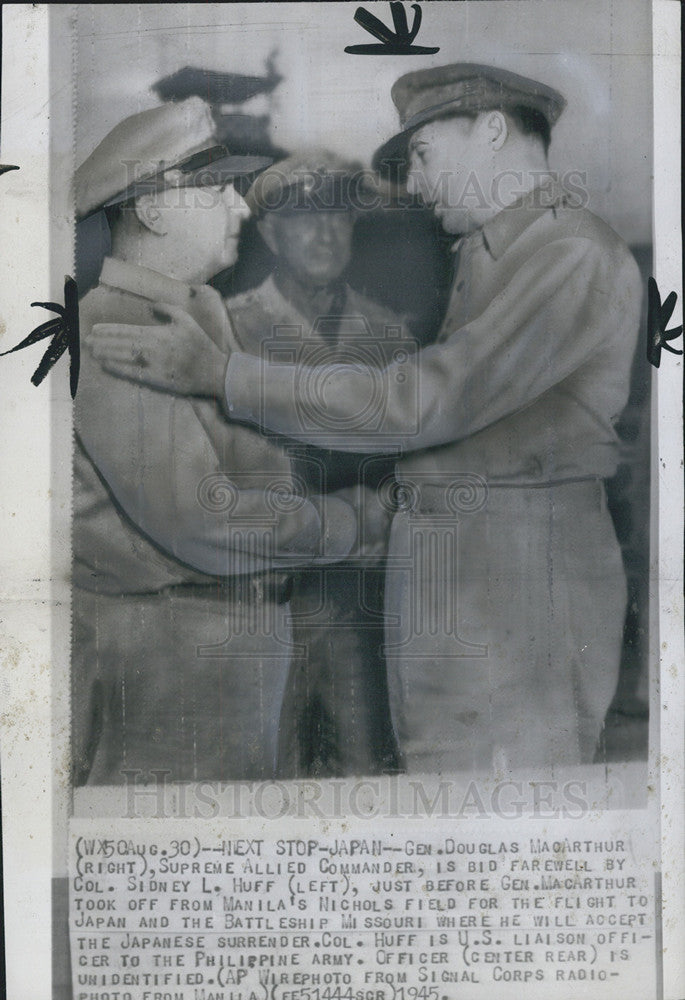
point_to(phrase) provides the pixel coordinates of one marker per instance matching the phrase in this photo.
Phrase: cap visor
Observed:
(392, 157)
(218, 171)
(213, 174)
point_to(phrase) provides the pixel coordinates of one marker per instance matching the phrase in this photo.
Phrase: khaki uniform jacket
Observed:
(530, 371)
(268, 326)
(505, 589)
(152, 501)
(174, 668)
(335, 718)
(264, 314)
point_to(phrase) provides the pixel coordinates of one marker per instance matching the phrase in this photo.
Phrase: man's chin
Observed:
(229, 260)
(321, 279)
(455, 221)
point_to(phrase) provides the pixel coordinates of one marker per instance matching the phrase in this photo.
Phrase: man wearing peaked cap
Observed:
(172, 146)
(465, 89)
(335, 718)
(312, 179)
(168, 147)
(504, 630)
(168, 494)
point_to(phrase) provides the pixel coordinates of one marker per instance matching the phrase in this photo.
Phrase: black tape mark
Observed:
(397, 42)
(658, 315)
(65, 337)
(5, 167)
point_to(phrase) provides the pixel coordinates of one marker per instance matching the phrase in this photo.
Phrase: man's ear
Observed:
(266, 231)
(497, 129)
(149, 214)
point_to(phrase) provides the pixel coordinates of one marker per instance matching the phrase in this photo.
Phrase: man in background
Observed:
(335, 718)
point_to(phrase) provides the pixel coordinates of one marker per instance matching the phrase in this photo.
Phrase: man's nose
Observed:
(417, 183)
(235, 204)
(325, 228)
(239, 206)
(412, 181)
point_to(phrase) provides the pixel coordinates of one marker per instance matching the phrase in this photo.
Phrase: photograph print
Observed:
(362, 430)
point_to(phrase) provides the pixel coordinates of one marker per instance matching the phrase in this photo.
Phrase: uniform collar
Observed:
(272, 293)
(289, 312)
(505, 228)
(143, 281)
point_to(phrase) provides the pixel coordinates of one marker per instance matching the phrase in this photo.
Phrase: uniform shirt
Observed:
(151, 500)
(264, 316)
(266, 324)
(531, 368)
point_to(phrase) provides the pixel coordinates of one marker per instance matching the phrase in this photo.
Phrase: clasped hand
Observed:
(175, 355)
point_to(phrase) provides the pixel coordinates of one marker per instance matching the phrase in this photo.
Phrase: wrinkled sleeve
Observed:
(560, 308)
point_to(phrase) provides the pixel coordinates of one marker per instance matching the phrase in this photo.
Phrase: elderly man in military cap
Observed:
(181, 520)
(510, 611)
(335, 717)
